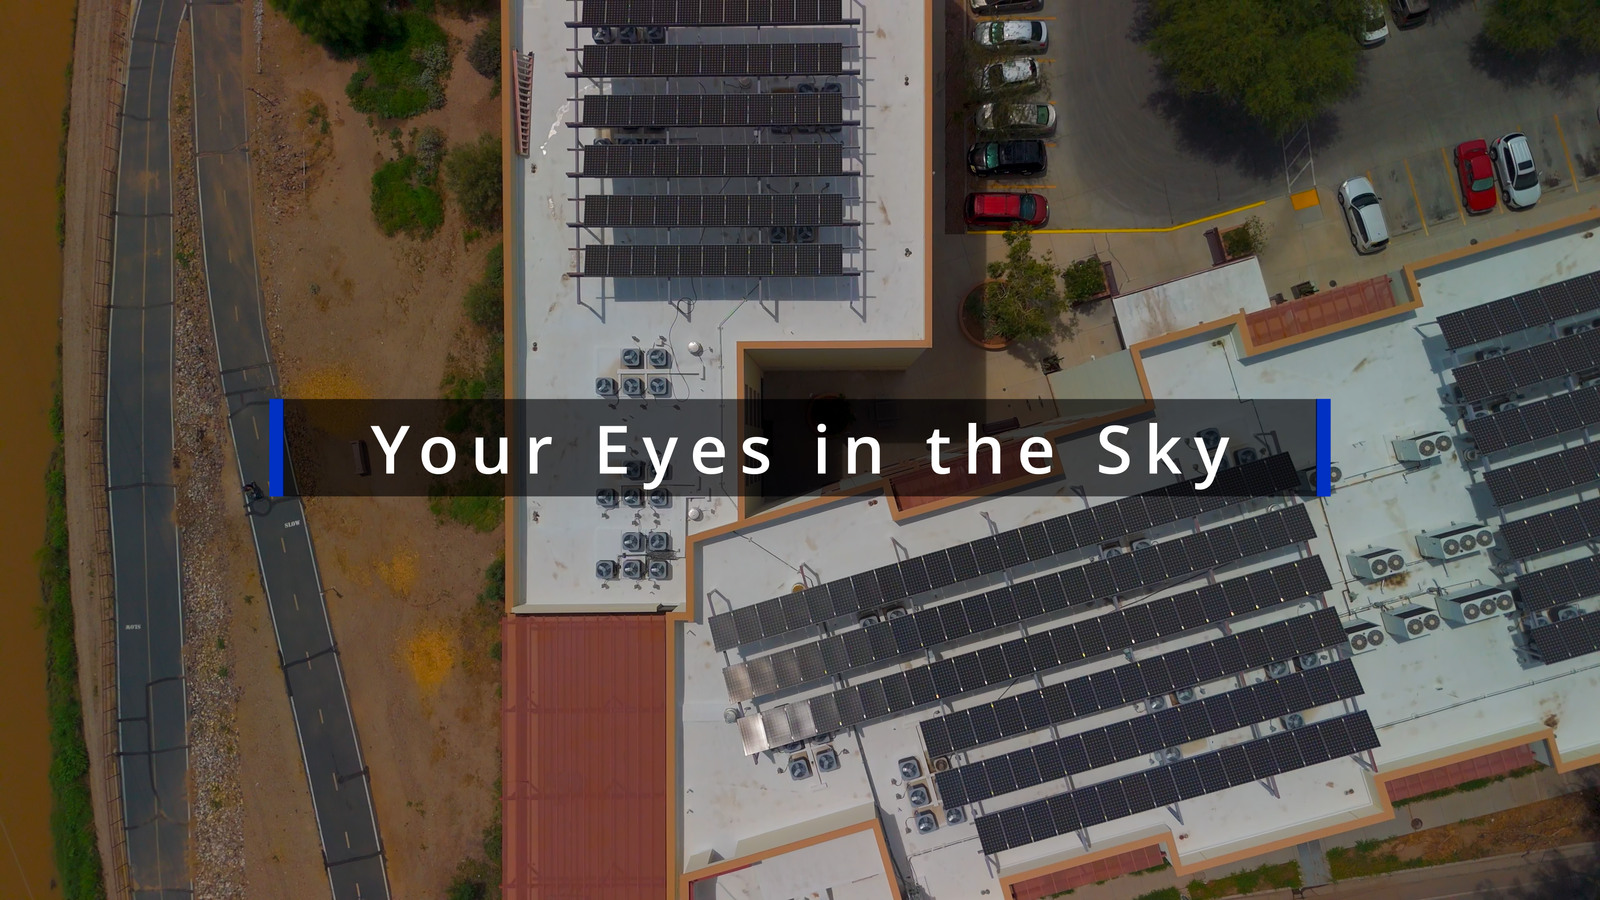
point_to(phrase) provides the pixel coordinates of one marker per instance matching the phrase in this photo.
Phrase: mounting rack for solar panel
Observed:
(1069, 644)
(711, 60)
(710, 13)
(1231, 655)
(711, 111)
(988, 555)
(1057, 592)
(1075, 754)
(1074, 811)
(1565, 357)
(712, 211)
(1535, 421)
(712, 161)
(1566, 639)
(1547, 531)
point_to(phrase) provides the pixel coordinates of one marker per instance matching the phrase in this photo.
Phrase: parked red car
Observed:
(1475, 170)
(999, 208)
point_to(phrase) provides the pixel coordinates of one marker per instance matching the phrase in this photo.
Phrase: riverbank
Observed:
(98, 63)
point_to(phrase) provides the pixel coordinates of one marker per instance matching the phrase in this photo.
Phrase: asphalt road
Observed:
(152, 724)
(351, 848)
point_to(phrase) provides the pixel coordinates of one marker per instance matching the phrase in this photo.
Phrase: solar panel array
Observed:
(988, 555)
(1544, 475)
(681, 60)
(713, 260)
(1132, 738)
(1186, 779)
(1529, 309)
(934, 626)
(1121, 685)
(1019, 658)
(1552, 530)
(712, 160)
(712, 12)
(1559, 585)
(1566, 639)
(1536, 421)
(712, 210)
(1529, 366)
(709, 110)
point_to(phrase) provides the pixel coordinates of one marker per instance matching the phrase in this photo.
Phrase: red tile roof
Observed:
(1320, 310)
(583, 733)
(1088, 873)
(1487, 766)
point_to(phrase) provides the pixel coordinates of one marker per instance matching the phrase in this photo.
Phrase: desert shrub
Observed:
(428, 147)
(485, 300)
(402, 202)
(484, 53)
(405, 77)
(1248, 239)
(473, 175)
(1084, 279)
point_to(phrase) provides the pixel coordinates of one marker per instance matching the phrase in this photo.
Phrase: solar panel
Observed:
(1082, 584)
(711, 210)
(713, 260)
(1522, 368)
(681, 60)
(1536, 421)
(1532, 309)
(1566, 639)
(1552, 530)
(712, 160)
(1543, 475)
(1088, 695)
(711, 12)
(1559, 585)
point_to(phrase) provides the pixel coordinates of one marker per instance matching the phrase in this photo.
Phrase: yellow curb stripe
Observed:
(1455, 188)
(1568, 154)
(1165, 230)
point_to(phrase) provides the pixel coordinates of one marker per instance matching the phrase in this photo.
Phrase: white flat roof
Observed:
(1460, 687)
(1193, 300)
(574, 329)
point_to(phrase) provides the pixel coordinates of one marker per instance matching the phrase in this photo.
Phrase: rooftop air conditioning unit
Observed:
(1575, 328)
(1245, 455)
(1376, 564)
(799, 768)
(1455, 541)
(602, 34)
(909, 768)
(605, 498)
(1278, 669)
(632, 358)
(605, 569)
(1170, 755)
(1157, 703)
(1568, 612)
(1143, 544)
(1111, 549)
(827, 760)
(660, 498)
(605, 387)
(1477, 605)
(633, 470)
(919, 795)
(1187, 695)
(1208, 436)
(633, 386)
(660, 386)
(1503, 405)
(927, 822)
(633, 569)
(659, 569)
(1423, 447)
(1411, 621)
(869, 620)
(1312, 660)
(632, 542)
(941, 764)
(894, 612)
(1293, 721)
(1364, 636)
(632, 497)
(659, 541)
(660, 358)
(953, 815)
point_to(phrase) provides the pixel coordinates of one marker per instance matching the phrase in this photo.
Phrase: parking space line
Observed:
(1455, 194)
(1422, 217)
(1164, 230)
(1565, 151)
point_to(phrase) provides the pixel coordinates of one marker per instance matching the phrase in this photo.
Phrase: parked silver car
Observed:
(1017, 118)
(1363, 214)
(1513, 164)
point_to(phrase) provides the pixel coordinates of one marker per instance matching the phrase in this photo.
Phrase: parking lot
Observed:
(1129, 154)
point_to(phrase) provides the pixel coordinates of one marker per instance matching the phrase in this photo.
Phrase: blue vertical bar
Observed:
(1324, 448)
(275, 443)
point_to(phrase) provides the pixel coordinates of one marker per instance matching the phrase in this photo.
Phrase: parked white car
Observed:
(1513, 164)
(1012, 75)
(1002, 7)
(1017, 118)
(1377, 26)
(1363, 214)
(1012, 34)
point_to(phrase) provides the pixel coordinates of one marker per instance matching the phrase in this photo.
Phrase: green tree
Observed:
(1533, 26)
(484, 54)
(343, 26)
(1023, 301)
(472, 172)
(1282, 61)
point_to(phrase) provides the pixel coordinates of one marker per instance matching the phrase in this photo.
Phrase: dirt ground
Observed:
(1557, 822)
(355, 314)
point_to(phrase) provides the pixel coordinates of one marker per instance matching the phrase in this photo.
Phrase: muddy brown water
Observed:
(35, 46)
